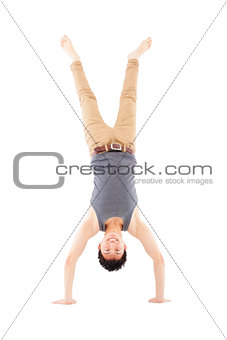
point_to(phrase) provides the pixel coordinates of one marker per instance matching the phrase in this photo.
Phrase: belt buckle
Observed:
(114, 148)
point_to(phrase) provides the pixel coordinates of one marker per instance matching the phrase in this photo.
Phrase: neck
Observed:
(113, 226)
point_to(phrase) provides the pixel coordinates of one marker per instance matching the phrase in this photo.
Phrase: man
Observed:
(114, 200)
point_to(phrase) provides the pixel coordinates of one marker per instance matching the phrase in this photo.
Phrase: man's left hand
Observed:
(158, 300)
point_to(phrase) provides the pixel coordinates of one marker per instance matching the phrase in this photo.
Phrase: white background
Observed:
(188, 127)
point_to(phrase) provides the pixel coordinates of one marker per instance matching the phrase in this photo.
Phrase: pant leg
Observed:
(97, 132)
(125, 126)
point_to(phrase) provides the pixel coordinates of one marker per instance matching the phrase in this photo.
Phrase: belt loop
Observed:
(106, 147)
(124, 148)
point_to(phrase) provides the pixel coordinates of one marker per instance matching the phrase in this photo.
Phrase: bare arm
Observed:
(88, 229)
(139, 230)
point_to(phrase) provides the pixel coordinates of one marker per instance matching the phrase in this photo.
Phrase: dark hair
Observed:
(112, 265)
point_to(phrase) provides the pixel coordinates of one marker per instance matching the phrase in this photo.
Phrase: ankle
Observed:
(75, 58)
(133, 56)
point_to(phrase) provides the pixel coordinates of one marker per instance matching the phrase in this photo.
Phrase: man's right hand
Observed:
(65, 301)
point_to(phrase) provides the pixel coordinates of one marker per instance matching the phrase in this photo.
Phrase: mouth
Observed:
(112, 237)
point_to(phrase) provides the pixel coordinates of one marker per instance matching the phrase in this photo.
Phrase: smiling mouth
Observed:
(112, 238)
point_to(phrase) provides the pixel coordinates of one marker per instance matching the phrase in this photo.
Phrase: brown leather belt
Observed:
(113, 146)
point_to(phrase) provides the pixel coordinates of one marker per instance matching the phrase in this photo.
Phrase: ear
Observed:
(125, 247)
(99, 246)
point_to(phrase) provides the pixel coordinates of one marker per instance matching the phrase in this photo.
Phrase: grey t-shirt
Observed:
(114, 192)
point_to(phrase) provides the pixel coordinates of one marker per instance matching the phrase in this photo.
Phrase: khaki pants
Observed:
(97, 132)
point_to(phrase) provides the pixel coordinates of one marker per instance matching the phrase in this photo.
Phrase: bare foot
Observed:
(141, 49)
(67, 46)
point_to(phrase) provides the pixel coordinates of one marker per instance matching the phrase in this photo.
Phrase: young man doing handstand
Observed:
(114, 200)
